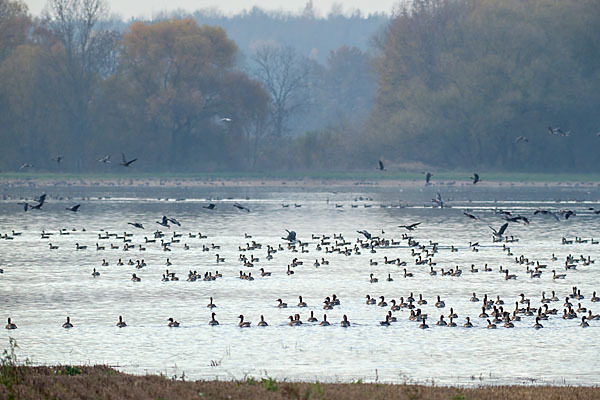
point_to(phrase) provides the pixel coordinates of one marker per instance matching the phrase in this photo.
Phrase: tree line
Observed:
(448, 84)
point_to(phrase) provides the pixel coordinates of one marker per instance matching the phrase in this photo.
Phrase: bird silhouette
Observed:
(126, 163)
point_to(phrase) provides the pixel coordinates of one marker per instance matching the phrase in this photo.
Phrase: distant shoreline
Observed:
(294, 180)
(105, 382)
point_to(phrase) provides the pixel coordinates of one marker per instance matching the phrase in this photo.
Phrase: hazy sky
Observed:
(148, 8)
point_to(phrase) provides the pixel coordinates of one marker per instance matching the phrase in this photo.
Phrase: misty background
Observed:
(441, 84)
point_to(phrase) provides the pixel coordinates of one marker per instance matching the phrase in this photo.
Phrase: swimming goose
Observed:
(468, 324)
(537, 324)
(95, 273)
(421, 300)
(324, 322)
(423, 324)
(135, 278)
(440, 303)
(213, 321)
(301, 303)
(441, 322)
(490, 325)
(373, 279)
(474, 298)
(370, 300)
(595, 298)
(345, 323)
(312, 317)
(173, 323)
(262, 321)
(242, 323)
(67, 324)
(382, 303)
(121, 323)
(10, 325)
(584, 323)
(558, 276)
(281, 304)
(385, 322)
(211, 304)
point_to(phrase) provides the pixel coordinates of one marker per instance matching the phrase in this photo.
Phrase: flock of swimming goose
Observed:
(423, 254)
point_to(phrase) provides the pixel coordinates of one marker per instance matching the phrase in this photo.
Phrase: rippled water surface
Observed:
(40, 287)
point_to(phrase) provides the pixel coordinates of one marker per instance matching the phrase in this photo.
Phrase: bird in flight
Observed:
(546, 212)
(472, 216)
(428, 176)
(74, 208)
(126, 163)
(521, 139)
(475, 178)
(365, 233)
(291, 236)
(58, 159)
(410, 227)
(516, 219)
(41, 200)
(211, 206)
(136, 225)
(225, 119)
(498, 234)
(26, 165)
(105, 159)
(241, 207)
(438, 200)
(381, 166)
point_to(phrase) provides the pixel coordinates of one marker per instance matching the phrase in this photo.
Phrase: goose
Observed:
(281, 304)
(301, 303)
(468, 324)
(537, 324)
(382, 303)
(595, 299)
(441, 322)
(312, 317)
(423, 323)
(135, 278)
(67, 324)
(95, 273)
(173, 323)
(389, 278)
(490, 325)
(211, 304)
(421, 300)
(474, 298)
(242, 323)
(370, 300)
(345, 323)
(408, 274)
(440, 303)
(584, 323)
(373, 279)
(385, 322)
(262, 321)
(558, 276)
(213, 321)
(508, 277)
(264, 273)
(10, 325)
(324, 322)
(121, 323)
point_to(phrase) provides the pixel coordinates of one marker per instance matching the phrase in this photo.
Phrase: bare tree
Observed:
(87, 55)
(284, 74)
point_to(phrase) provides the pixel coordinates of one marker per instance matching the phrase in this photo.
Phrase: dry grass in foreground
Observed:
(68, 382)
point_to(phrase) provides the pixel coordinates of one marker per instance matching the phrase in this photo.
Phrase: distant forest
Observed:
(440, 84)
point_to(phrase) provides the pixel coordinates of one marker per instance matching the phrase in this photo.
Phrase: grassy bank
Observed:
(460, 176)
(106, 383)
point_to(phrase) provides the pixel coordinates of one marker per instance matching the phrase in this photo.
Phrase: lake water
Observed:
(40, 287)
